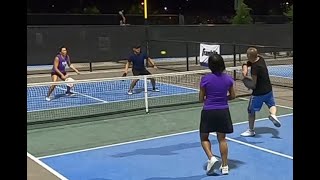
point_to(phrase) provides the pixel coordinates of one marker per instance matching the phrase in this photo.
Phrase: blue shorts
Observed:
(256, 102)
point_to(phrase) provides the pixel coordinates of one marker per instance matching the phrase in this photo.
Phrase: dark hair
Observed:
(136, 46)
(61, 47)
(216, 64)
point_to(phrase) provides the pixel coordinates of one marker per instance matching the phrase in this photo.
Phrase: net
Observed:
(105, 96)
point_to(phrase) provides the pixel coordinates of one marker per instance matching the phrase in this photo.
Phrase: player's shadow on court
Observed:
(58, 96)
(267, 130)
(141, 90)
(138, 91)
(244, 139)
(161, 151)
(259, 132)
(233, 164)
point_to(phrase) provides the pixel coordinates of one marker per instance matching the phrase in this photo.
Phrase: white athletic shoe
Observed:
(48, 99)
(130, 92)
(211, 164)
(156, 90)
(274, 120)
(224, 170)
(248, 133)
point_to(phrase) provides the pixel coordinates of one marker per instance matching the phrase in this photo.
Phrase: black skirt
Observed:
(217, 120)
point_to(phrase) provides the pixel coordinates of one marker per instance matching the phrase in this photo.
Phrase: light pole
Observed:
(145, 12)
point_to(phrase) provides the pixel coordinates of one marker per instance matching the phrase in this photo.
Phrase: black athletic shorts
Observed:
(55, 73)
(138, 72)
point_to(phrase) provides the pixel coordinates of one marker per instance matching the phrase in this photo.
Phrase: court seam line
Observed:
(97, 99)
(45, 166)
(146, 139)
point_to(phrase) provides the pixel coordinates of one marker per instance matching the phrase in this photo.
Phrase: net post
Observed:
(196, 60)
(234, 60)
(187, 56)
(90, 66)
(146, 93)
(147, 44)
(197, 56)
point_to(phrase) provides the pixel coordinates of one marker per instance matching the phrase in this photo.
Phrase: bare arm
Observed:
(232, 93)
(72, 67)
(254, 72)
(127, 67)
(202, 94)
(152, 63)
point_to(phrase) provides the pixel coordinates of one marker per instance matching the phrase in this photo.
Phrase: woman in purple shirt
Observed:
(215, 115)
(59, 70)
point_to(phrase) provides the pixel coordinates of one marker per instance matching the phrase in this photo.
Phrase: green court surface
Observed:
(106, 130)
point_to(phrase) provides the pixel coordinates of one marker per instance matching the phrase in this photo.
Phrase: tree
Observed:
(91, 10)
(242, 14)
(289, 13)
(136, 9)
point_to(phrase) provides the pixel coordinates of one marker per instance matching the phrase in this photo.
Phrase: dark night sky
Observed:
(214, 7)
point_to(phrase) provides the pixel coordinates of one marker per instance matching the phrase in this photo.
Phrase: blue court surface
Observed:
(283, 71)
(267, 156)
(97, 92)
(114, 91)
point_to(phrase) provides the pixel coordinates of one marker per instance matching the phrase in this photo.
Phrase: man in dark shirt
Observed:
(261, 92)
(137, 58)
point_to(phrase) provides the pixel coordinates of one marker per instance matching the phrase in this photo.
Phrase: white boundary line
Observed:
(142, 140)
(46, 167)
(97, 99)
(260, 148)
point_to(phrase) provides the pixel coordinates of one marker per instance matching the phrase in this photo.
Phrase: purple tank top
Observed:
(216, 88)
(62, 63)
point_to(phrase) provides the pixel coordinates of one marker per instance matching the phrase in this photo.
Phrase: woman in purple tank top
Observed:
(59, 70)
(215, 115)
